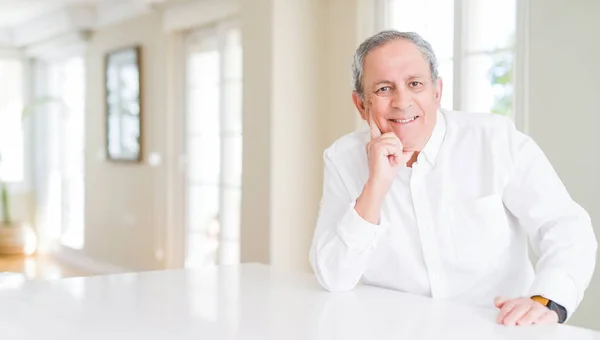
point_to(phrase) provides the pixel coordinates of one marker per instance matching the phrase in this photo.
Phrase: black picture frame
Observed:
(123, 104)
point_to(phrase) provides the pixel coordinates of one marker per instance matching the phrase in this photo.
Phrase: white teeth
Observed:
(404, 120)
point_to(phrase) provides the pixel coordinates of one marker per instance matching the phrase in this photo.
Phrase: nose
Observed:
(402, 99)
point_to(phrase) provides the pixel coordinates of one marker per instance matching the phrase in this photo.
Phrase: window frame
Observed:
(177, 237)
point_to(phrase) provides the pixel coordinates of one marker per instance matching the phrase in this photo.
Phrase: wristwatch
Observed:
(560, 310)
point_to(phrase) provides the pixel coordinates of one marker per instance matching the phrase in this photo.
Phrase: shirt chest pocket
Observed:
(480, 231)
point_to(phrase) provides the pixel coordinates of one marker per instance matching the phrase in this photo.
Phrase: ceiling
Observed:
(14, 12)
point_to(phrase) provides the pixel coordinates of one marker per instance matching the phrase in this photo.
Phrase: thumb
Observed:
(375, 132)
(499, 301)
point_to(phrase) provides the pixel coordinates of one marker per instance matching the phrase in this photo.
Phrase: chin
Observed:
(410, 143)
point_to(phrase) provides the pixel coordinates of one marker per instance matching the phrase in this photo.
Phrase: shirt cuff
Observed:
(558, 287)
(359, 234)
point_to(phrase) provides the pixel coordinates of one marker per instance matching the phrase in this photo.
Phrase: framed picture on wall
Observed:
(123, 105)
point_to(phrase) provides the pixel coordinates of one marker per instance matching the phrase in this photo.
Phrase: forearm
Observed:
(340, 255)
(567, 259)
(347, 231)
(368, 204)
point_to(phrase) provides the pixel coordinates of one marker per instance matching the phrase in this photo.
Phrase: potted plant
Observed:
(16, 237)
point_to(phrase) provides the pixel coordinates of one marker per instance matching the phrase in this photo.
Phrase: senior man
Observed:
(441, 203)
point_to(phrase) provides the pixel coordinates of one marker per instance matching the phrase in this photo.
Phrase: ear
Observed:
(360, 104)
(438, 87)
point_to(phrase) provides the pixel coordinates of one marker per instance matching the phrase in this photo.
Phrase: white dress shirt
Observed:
(455, 226)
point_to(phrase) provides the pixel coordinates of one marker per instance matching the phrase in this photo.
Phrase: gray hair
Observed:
(383, 38)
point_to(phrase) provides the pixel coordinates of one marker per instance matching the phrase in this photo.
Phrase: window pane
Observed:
(72, 92)
(203, 109)
(232, 110)
(489, 25)
(432, 19)
(489, 83)
(204, 153)
(203, 67)
(230, 222)
(203, 206)
(11, 131)
(203, 89)
(203, 225)
(232, 153)
(233, 55)
(214, 126)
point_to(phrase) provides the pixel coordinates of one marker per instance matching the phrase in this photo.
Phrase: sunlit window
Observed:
(11, 130)
(66, 125)
(214, 146)
(475, 37)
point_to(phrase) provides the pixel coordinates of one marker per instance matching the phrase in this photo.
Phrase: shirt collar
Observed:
(434, 144)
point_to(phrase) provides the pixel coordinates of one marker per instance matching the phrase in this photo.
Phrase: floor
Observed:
(41, 267)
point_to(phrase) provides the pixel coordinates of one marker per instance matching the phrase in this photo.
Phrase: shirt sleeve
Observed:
(343, 242)
(559, 229)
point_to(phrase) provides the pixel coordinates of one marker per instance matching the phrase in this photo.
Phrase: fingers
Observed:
(375, 132)
(396, 159)
(548, 317)
(534, 314)
(499, 301)
(506, 308)
(523, 311)
(387, 142)
(386, 148)
(516, 314)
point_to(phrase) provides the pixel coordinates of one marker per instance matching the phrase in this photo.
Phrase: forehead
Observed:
(398, 58)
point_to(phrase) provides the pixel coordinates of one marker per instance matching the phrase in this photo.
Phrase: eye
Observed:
(415, 83)
(384, 89)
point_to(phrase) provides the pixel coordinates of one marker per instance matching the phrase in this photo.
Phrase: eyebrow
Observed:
(410, 78)
(381, 82)
(415, 76)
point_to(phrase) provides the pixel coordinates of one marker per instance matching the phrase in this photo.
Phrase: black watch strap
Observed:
(560, 310)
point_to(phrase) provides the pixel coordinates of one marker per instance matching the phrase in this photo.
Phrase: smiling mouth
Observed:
(404, 121)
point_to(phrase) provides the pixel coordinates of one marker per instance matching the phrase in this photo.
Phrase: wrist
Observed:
(560, 310)
(368, 205)
(377, 188)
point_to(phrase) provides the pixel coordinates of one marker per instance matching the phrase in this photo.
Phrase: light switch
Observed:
(154, 159)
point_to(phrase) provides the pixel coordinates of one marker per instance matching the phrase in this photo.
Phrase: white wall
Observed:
(297, 101)
(295, 155)
(126, 203)
(257, 43)
(564, 108)
(281, 130)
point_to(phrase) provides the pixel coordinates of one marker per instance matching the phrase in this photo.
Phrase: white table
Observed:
(241, 302)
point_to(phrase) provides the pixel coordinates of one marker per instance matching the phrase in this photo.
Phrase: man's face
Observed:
(399, 93)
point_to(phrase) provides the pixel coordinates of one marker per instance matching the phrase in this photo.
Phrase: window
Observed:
(474, 41)
(213, 145)
(11, 130)
(62, 170)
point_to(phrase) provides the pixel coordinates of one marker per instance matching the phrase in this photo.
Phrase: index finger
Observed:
(375, 132)
(506, 309)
